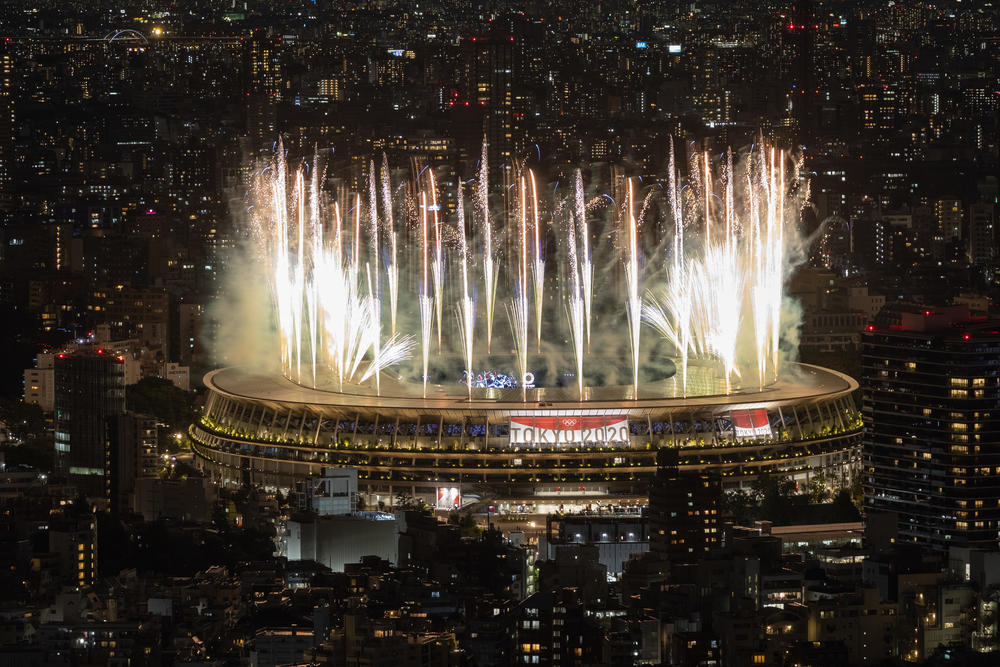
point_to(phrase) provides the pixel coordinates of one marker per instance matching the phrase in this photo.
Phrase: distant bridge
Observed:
(128, 34)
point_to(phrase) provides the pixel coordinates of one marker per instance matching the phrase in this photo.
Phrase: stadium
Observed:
(533, 360)
(538, 456)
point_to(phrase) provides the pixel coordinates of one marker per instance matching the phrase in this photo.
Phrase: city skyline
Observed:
(502, 333)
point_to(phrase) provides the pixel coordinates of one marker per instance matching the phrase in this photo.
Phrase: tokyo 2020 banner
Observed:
(567, 430)
(751, 423)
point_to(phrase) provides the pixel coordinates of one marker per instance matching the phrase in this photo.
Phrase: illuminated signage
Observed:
(673, 48)
(396, 52)
(640, 45)
(497, 380)
(448, 498)
(530, 430)
(751, 423)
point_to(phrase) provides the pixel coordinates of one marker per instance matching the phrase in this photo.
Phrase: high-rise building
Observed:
(263, 85)
(263, 66)
(931, 385)
(948, 213)
(800, 34)
(6, 125)
(489, 63)
(89, 390)
(683, 510)
(879, 109)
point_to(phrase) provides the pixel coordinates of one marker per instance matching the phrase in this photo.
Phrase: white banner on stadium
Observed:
(567, 430)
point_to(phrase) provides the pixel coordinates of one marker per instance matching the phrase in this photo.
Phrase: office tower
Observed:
(263, 85)
(801, 35)
(89, 390)
(930, 389)
(683, 510)
(489, 63)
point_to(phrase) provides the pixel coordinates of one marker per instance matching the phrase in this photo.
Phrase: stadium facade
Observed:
(543, 455)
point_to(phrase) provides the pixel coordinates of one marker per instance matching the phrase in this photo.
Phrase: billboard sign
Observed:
(448, 498)
(751, 423)
(565, 430)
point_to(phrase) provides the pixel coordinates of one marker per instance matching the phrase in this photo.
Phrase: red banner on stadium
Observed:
(751, 423)
(567, 430)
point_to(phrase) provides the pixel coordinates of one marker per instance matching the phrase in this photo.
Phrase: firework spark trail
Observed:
(338, 237)
(725, 278)
(373, 232)
(670, 314)
(517, 315)
(730, 239)
(633, 303)
(576, 310)
(707, 176)
(585, 258)
(767, 222)
(538, 263)
(299, 272)
(426, 324)
(758, 298)
(437, 262)
(679, 281)
(775, 260)
(517, 311)
(283, 283)
(376, 310)
(392, 266)
(426, 301)
(467, 306)
(316, 250)
(676, 209)
(489, 268)
(356, 252)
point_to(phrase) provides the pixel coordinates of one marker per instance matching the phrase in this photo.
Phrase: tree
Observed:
(741, 505)
(159, 398)
(467, 526)
(405, 501)
(780, 501)
(844, 508)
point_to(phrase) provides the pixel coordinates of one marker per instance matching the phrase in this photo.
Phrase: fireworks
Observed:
(586, 263)
(633, 306)
(715, 301)
(489, 268)
(576, 309)
(466, 306)
(339, 326)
